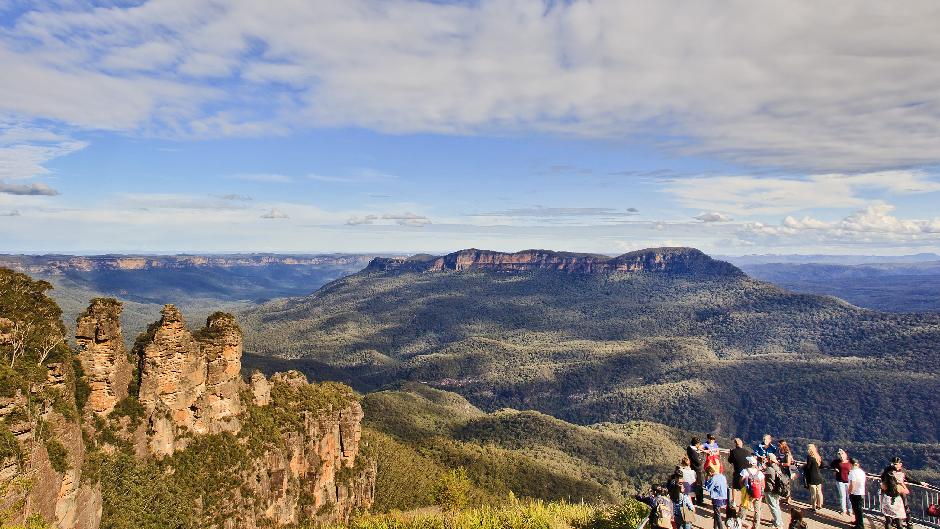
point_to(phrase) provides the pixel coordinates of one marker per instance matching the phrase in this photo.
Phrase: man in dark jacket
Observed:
(738, 459)
(694, 452)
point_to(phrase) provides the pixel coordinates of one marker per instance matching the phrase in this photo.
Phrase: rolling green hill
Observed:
(418, 434)
(675, 338)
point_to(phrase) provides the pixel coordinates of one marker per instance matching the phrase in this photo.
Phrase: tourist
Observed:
(711, 445)
(675, 485)
(764, 448)
(661, 507)
(712, 455)
(785, 457)
(688, 476)
(693, 452)
(841, 468)
(893, 492)
(856, 491)
(775, 483)
(717, 488)
(904, 489)
(685, 512)
(752, 479)
(738, 460)
(812, 474)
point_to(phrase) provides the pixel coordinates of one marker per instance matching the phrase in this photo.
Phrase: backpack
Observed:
(754, 484)
(781, 484)
(663, 514)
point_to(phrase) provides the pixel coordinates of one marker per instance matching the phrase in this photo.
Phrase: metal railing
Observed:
(921, 496)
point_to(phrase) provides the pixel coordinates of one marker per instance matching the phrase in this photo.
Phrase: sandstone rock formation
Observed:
(260, 389)
(675, 261)
(103, 355)
(221, 342)
(190, 382)
(37, 481)
(326, 446)
(303, 463)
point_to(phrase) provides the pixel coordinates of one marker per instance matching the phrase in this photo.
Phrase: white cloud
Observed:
(750, 195)
(853, 89)
(234, 197)
(24, 149)
(360, 176)
(713, 216)
(549, 212)
(275, 214)
(37, 189)
(873, 224)
(178, 201)
(366, 219)
(407, 219)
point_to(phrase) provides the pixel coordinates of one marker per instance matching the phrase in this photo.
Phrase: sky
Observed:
(737, 127)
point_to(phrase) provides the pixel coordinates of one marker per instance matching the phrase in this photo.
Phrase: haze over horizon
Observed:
(170, 126)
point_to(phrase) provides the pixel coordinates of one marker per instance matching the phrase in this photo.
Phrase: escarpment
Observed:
(190, 382)
(99, 436)
(103, 355)
(673, 261)
(41, 447)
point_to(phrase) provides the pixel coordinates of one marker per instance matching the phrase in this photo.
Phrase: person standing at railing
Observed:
(894, 482)
(775, 485)
(712, 456)
(785, 456)
(764, 448)
(892, 505)
(694, 453)
(737, 457)
(856, 490)
(717, 488)
(812, 474)
(841, 468)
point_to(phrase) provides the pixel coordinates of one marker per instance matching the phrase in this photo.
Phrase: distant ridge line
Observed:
(667, 260)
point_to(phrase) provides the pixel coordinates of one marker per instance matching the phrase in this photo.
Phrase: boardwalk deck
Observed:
(824, 519)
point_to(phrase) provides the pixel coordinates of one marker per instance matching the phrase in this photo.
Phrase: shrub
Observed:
(129, 407)
(82, 389)
(453, 490)
(9, 447)
(511, 515)
(625, 516)
(58, 455)
(35, 521)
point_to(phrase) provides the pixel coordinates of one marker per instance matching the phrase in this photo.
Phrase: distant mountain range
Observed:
(895, 287)
(61, 264)
(755, 259)
(199, 284)
(674, 337)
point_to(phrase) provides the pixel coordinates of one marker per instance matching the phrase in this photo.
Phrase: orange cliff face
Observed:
(189, 384)
(675, 261)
